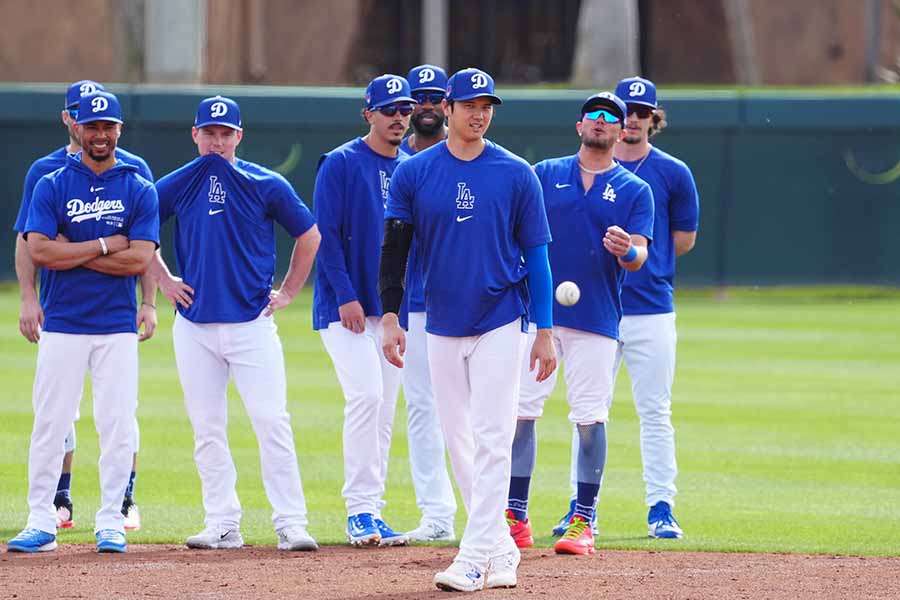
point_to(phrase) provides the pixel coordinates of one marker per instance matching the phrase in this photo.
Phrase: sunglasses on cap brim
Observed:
(433, 97)
(643, 112)
(392, 109)
(608, 117)
(73, 112)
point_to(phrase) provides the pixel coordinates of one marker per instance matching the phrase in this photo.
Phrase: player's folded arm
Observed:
(392, 270)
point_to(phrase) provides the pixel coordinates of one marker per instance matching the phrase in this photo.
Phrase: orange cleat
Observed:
(519, 530)
(578, 538)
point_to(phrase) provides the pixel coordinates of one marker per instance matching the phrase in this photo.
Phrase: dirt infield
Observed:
(341, 572)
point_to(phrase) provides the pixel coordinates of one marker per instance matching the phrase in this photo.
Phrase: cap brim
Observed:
(223, 124)
(597, 102)
(428, 89)
(393, 101)
(92, 119)
(647, 104)
(494, 99)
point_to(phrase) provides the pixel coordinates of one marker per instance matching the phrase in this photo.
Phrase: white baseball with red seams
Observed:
(567, 293)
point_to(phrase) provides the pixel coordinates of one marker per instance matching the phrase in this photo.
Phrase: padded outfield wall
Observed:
(794, 187)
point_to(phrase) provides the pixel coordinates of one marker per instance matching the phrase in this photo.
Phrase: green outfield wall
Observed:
(794, 187)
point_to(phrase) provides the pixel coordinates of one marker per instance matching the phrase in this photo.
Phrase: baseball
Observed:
(567, 293)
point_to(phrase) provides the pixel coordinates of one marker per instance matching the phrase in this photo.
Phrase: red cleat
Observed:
(578, 538)
(519, 530)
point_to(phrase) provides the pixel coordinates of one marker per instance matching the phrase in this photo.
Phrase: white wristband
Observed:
(103, 246)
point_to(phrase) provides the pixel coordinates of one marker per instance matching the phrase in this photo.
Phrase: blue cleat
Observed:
(563, 524)
(661, 523)
(389, 537)
(111, 540)
(362, 531)
(32, 540)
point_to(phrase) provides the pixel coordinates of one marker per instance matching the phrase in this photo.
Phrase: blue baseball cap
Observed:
(99, 106)
(427, 78)
(387, 89)
(606, 100)
(218, 110)
(471, 83)
(81, 88)
(637, 90)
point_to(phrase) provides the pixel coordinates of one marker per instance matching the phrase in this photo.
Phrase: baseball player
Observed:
(647, 331)
(475, 209)
(31, 317)
(601, 219)
(349, 199)
(434, 493)
(93, 226)
(226, 209)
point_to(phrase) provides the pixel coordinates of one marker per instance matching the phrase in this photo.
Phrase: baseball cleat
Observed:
(362, 531)
(661, 523)
(32, 540)
(431, 532)
(64, 512)
(216, 537)
(501, 571)
(460, 576)
(578, 539)
(131, 514)
(111, 540)
(519, 530)
(295, 537)
(389, 537)
(560, 528)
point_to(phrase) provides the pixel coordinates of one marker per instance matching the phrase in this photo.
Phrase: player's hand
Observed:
(393, 340)
(544, 352)
(616, 241)
(278, 299)
(176, 291)
(117, 243)
(146, 316)
(353, 317)
(31, 319)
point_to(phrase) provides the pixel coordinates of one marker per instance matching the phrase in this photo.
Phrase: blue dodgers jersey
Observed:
(83, 206)
(472, 220)
(677, 204)
(578, 222)
(349, 200)
(225, 233)
(56, 159)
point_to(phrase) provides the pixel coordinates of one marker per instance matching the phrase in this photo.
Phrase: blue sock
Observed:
(587, 497)
(591, 462)
(129, 491)
(64, 486)
(524, 452)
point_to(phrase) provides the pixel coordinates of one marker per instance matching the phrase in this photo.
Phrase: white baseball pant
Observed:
(427, 461)
(588, 359)
(63, 359)
(647, 346)
(476, 387)
(71, 441)
(207, 354)
(370, 385)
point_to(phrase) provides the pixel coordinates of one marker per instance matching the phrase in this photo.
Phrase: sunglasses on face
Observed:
(643, 112)
(392, 109)
(73, 112)
(433, 97)
(608, 117)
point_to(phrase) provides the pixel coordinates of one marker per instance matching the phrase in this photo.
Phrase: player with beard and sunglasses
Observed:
(350, 195)
(601, 221)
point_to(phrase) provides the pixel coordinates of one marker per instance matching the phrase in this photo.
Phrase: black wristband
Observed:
(392, 270)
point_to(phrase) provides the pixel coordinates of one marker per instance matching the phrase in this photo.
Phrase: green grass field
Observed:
(786, 406)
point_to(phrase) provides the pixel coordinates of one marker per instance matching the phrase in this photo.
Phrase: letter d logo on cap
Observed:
(218, 109)
(87, 88)
(99, 104)
(637, 89)
(426, 75)
(394, 85)
(479, 81)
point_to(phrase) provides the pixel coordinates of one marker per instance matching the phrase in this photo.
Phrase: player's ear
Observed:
(363, 113)
(578, 128)
(239, 134)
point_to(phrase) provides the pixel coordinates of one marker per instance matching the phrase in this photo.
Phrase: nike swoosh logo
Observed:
(215, 212)
(560, 186)
(224, 535)
(461, 219)
(97, 189)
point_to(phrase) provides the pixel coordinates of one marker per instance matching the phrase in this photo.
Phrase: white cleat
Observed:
(216, 537)
(431, 532)
(501, 571)
(295, 537)
(460, 576)
(132, 517)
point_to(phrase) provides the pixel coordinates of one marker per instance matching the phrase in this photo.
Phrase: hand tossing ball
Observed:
(567, 293)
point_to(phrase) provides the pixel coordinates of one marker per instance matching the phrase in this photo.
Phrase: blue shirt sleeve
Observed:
(540, 285)
(166, 191)
(640, 217)
(400, 193)
(144, 169)
(530, 222)
(684, 206)
(286, 208)
(328, 204)
(31, 180)
(145, 225)
(42, 213)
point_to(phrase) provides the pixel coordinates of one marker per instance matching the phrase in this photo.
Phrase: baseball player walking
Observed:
(31, 316)
(476, 209)
(427, 461)
(93, 226)
(647, 332)
(226, 209)
(601, 219)
(350, 195)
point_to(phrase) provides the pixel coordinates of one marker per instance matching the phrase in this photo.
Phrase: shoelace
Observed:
(576, 528)
(363, 521)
